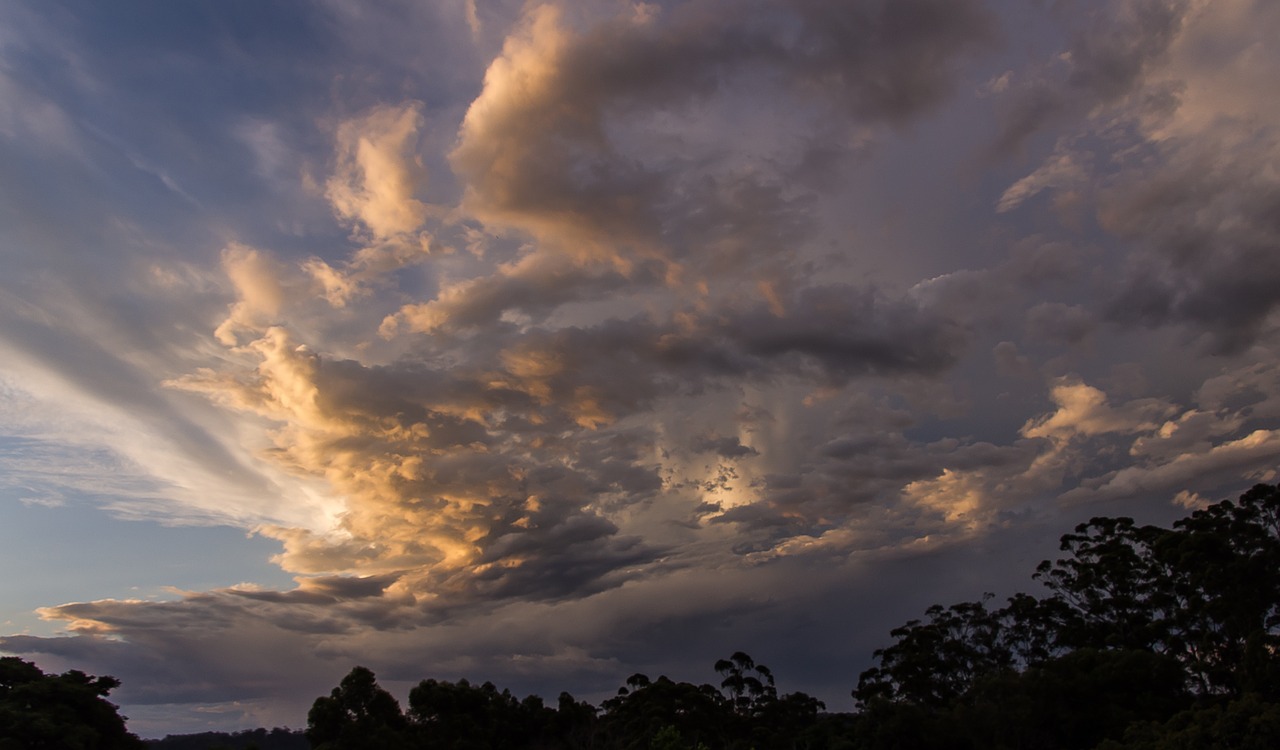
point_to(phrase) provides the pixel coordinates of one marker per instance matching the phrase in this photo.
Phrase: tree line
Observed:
(745, 711)
(1145, 638)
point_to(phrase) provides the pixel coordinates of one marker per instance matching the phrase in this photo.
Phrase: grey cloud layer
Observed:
(556, 143)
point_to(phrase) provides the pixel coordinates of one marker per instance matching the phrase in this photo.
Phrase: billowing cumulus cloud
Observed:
(597, 140)
(377, 176)
(576, 339)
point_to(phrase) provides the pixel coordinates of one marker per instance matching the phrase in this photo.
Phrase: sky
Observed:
(548, 342)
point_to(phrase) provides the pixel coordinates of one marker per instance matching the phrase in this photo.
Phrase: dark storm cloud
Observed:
(725, 447)
(1163, 89)
(1206, 225)
(830, 334)
(1055, 321)
(578, 557)
(849, 332)
(1111, 46)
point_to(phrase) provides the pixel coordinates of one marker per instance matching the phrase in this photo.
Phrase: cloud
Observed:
(1111, 51)
(259, 290)
(725, 447)
(542, 148)
(27, 116)
(1058, 173)
(1055, 321)
(1083, 411)
(1203, 222)
(1171, 81)
(1252, 455)
(1251, 389)
(377, 174)
(534, 286)
(714, 321)
(430, 487)
(1156, 443)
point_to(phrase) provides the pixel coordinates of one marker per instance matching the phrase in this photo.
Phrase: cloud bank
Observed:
(617, 333)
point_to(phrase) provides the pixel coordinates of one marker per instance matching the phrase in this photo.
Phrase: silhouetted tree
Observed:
(745, 712)
(645, 708)
(1071, 702)
(357, 715)
(462, 716)
(1140, 622)
(935, 661)
(249, 739)
(68, 711)
(575, 724)
(1206, 592)
(750, 685)
(1246, 723)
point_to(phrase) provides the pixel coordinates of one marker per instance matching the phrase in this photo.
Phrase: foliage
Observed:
(1206, 592)
(1073, 701)
(249, 739)
(645, 714)
(68, 711)
(750, 685)
(646, 708)
(356, 715)
(1246, 723)
(458, 715)
(1141, 623)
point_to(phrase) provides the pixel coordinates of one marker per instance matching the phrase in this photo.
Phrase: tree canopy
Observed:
(1141, 624)
(67, 711)
(744, 712)
(1144, 638)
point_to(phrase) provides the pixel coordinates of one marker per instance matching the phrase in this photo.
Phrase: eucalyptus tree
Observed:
(68, 710)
